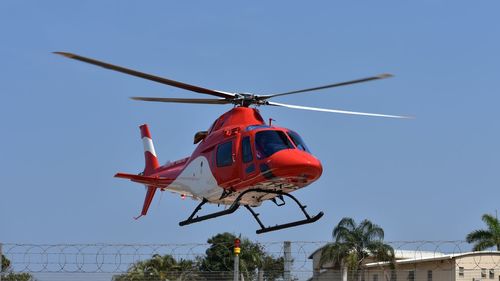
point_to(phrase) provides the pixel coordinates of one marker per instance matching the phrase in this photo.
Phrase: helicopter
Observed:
(240, 160)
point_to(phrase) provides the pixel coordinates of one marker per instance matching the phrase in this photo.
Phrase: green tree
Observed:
(5, 263)
(353, 244)
(161, 268)
(219, 258)
(8, 275)
(216, 264)
(486, 238)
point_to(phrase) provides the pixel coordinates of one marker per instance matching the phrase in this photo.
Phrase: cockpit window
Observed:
(269, 142)
(297, 140)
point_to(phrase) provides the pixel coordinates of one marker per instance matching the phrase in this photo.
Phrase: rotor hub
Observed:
(247, 99)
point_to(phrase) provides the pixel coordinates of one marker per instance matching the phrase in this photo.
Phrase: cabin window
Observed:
(269, 142)
(411, 275)
(246, 150)
(429, 275)
(483, 272)
(460, 271)
(297, 140)
(492, 274)
(375, 277)
(394, 276)
(225, 154)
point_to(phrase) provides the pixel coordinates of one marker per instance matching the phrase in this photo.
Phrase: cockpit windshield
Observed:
(269, 142)
(297, 140)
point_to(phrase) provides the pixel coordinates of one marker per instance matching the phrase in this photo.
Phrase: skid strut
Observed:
(236, 204)
(193, 219)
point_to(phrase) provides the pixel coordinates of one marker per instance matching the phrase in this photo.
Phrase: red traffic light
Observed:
(236, 243)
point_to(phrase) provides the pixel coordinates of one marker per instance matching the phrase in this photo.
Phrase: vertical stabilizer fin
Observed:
(151, 164)
(147, 200)
(149, 151)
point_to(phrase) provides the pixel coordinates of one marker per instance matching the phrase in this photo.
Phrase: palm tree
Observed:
(353, 243)
(486, 238)
(162, 268)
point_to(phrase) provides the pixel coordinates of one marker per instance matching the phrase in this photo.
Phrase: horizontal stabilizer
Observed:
(155, 181)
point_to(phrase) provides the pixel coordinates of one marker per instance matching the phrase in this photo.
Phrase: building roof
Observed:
(415, 254)
(400, 254)
(315, 251)
(437, 257)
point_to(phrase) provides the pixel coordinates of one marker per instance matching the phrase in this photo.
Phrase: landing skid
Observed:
(236, 204)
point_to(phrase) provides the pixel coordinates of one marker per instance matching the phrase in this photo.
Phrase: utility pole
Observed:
(287, 256)
(237, 251)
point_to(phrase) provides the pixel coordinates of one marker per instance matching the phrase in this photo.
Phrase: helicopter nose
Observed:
(296, 164)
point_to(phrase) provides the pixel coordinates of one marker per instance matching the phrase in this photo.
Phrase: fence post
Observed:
(287, 256)
(1, 262)
(236, 268)
(236, 259)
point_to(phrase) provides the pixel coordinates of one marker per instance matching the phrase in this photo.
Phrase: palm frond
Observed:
(345, 224)
(333, 252)
(492, 222)
(478, 235)
(483, 245)
(344, 235)
(372, 231)
(486, 238)
(381, 251)
(352, 261)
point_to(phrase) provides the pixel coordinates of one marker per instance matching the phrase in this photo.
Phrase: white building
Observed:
(420, 266)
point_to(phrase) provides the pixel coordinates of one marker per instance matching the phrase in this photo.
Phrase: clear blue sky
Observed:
(67, 127)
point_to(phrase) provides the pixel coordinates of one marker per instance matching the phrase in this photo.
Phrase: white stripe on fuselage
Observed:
(148, 145)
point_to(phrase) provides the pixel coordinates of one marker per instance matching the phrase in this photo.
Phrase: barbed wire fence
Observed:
(107, 261)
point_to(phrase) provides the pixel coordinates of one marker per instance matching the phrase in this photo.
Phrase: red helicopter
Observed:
(240, 160)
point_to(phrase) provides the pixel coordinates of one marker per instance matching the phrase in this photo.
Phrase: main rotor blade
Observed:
(180, 100)
(334, 110)
(377, 77)
(148, 76)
